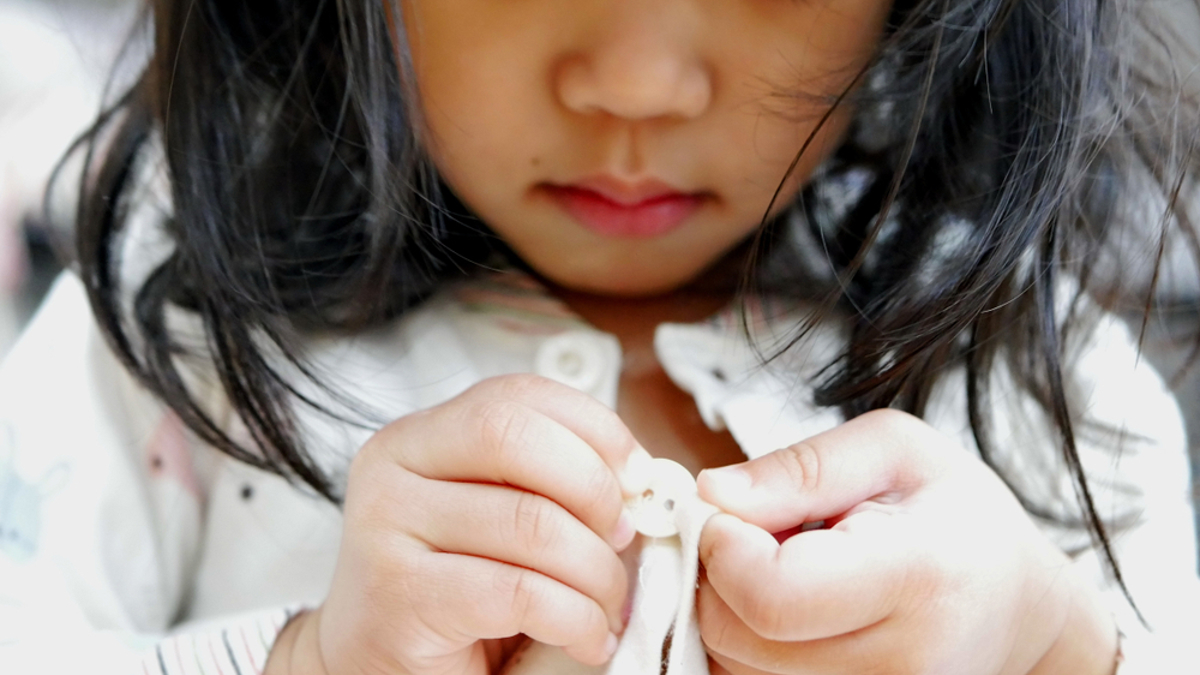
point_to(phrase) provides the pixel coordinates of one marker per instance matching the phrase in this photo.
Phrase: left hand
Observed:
(926, 564)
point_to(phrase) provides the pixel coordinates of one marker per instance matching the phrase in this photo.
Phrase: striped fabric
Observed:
(238, 648)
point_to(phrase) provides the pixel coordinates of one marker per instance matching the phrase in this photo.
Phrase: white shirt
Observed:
(122, 536)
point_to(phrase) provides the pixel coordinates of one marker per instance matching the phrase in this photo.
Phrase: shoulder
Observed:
(62, 380)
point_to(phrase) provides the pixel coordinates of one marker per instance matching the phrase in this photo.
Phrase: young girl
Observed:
(391, 303)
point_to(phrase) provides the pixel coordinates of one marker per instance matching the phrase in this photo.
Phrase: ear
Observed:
(55, 479)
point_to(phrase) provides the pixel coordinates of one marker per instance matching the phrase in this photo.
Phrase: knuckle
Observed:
(416, 580)
(389, 582)
(517, 386)
(618, 584)
(534, 525)
(366, 509)
(763, 613)
(802, 463)
(927, 453)
(397, 445)
(502, 425)
(910, 430)
(362, 461)
(360, 486)
(378, 496)
(517, 588)
(380, 447)
(598, 491)
(714, 628)
(889, 417)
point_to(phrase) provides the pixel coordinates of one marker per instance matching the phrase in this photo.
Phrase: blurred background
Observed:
(56, 62)
(56, 57)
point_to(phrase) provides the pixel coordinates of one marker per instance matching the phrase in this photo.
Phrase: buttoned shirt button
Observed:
(574, 359)
(654, 510)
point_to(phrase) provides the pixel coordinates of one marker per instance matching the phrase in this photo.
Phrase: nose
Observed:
(642, 63)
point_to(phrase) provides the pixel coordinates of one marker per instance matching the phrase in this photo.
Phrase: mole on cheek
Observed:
(536, 161)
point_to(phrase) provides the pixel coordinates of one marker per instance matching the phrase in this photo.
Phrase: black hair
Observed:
(1020, 131)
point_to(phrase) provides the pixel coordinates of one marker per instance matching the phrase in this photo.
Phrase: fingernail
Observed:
(726, 484)
(610, 646)
(625, 531)
(636, 476)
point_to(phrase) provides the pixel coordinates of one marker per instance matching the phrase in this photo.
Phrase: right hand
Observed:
(496, 514)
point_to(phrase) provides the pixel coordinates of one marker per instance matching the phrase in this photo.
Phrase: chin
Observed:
(621, 282)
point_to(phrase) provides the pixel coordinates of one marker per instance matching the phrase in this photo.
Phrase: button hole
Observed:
(570, 363)
(669, 505)
(719, 374)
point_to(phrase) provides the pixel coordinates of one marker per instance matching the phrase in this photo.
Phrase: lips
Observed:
(615, 208)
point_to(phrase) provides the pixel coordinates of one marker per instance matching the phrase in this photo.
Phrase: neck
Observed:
(633, 320)
(659, 414)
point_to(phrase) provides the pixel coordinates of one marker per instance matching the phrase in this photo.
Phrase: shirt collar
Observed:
(722, 361)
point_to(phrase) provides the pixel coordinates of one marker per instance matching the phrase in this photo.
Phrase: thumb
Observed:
(885, 454)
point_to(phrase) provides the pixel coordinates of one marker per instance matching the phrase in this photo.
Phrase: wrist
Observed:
(296, 650)
(1089, 641)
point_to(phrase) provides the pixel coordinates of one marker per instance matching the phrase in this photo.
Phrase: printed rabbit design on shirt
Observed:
(21, 502)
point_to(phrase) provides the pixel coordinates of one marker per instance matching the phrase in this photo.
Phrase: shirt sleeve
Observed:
(1134, 451)
(101, 515)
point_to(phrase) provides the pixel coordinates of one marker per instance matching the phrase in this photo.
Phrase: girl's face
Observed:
(622, 146)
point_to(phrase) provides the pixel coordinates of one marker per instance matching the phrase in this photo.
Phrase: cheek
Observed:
(486, 157)
(781, 83)
(757, 159)
(476, 80)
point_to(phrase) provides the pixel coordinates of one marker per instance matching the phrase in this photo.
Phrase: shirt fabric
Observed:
(127, 546)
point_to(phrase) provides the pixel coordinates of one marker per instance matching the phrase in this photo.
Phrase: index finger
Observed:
(527, 432)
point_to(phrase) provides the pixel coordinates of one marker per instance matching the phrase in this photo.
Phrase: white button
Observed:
(655, 508)
(574, 359)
